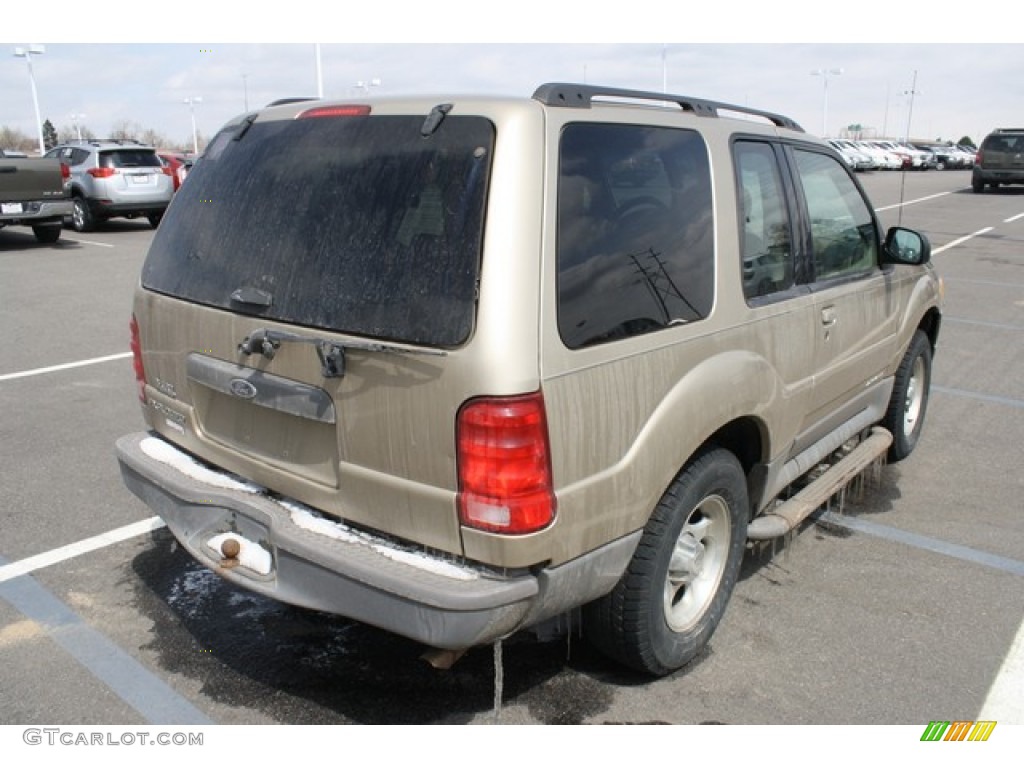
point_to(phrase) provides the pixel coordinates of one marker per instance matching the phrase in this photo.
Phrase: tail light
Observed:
(136, 347)
(504, 465)
(343, 110)
(65, 171)
(101, 173)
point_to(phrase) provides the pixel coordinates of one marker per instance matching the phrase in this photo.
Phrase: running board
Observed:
(789, 514)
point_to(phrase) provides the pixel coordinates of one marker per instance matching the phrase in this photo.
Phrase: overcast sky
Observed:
(969, 76)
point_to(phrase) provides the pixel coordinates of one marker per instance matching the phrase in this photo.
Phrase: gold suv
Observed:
(456, 366)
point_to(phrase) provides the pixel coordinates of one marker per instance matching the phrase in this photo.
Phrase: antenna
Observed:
(906, 137)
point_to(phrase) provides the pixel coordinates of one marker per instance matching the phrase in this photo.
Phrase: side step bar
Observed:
(789, 514)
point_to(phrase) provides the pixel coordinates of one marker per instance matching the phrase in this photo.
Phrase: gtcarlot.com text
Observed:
(73, 738)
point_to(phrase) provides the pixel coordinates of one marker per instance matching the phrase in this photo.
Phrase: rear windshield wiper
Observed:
(266, 342)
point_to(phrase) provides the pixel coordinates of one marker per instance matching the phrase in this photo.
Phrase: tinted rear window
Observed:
(129, 158)
(355, 224)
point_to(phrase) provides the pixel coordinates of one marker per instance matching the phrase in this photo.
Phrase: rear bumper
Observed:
(1011, 176)
(327, 567)
(38, 212)
(139, 208)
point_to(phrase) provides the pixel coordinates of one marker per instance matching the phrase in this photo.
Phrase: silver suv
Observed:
(115, 178)
(457, 366)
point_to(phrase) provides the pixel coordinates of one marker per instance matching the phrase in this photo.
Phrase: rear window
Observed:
(129, 158)
(1005, 143)
(358, 224)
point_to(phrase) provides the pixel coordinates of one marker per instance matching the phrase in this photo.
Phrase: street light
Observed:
(365, 85)
(27, 54)
(76, 117)
(824, 73)
(192, 108)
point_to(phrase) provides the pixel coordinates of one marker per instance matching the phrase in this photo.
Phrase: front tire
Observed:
(669, 601)
(909, 401)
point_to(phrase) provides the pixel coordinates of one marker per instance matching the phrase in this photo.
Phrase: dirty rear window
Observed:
(358, 224)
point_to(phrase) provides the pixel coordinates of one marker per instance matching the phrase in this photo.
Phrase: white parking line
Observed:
(961, 240)
(88, 242)
(64, 366)
(1013, 218)
(59, 555)
(1004, 702)
(905, 203)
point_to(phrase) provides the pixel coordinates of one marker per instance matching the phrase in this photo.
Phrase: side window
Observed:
(635, 231)
(843, 232)
(765, 236)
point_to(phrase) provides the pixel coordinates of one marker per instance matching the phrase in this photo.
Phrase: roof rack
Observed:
(291, 100)
(579, 96)
(96, 142)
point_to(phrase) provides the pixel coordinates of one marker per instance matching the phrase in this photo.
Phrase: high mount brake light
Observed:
(504, 465)
(345, 110)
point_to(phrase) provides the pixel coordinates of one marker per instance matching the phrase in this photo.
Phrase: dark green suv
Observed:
(1000, 159)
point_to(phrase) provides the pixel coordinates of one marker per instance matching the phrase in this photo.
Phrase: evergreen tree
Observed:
(49, 135)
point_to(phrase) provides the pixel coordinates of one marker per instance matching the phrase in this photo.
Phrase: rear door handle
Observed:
(829, 317)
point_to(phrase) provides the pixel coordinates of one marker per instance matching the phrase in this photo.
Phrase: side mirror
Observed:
(905, 246)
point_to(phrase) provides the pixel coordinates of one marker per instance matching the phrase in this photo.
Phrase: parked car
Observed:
(884, 159)
(1000, 160)
(943, 157)
(853, 156)
(178, 164)
(34, 193)
(358, 398)
(115, 178)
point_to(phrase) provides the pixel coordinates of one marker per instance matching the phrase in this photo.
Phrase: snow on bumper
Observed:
(299, 557)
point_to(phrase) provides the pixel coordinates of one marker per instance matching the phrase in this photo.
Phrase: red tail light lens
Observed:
(65, 171)
(101, 173)
(504, 465)
(136, 347)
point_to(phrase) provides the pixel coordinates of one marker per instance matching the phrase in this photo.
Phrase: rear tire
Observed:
(669, 601)
(82, 219)
(154, 219)
(909, 401)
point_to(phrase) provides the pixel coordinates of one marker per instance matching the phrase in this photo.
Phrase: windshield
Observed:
(357, 224)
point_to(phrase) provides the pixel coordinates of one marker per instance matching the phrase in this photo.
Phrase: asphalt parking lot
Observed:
(904, 607)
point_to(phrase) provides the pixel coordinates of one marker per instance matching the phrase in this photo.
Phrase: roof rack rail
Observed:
(291, 100)
(578, 96)
(105, 141)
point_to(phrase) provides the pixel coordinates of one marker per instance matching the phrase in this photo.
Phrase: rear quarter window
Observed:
(635, 231)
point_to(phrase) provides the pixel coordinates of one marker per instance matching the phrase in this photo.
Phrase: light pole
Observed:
(75, 120)
(245, 89)
(27, 53)
(824, 74)
(192, 101)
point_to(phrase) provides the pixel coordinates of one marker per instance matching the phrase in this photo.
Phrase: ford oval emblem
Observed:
(242, 388)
